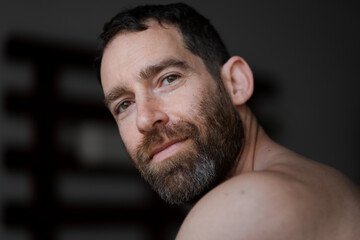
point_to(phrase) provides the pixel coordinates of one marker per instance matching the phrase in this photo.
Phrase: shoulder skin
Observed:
(269, 205)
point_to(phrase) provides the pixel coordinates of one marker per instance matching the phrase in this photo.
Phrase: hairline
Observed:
(164, 24)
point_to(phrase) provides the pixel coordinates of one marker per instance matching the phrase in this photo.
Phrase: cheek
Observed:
(184, 104)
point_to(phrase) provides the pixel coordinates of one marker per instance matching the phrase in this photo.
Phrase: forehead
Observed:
(130, 52)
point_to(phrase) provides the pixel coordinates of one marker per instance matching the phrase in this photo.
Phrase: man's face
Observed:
(178, 125)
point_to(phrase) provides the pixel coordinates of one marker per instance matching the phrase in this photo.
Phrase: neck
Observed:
(255, 139)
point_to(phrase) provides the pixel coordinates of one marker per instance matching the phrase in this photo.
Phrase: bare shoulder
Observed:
(260, 205)
(248, 206)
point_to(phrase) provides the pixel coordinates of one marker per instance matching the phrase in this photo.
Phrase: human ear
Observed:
(238, 80)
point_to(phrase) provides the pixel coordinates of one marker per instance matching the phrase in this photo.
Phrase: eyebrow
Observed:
(152, 70)
(114, 94)
(146, 73)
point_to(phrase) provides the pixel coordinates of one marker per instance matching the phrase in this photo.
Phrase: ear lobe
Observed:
(238, 80)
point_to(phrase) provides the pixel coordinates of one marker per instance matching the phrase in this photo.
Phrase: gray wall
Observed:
(305, 59)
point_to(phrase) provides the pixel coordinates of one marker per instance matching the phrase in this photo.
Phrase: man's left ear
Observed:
(238, 80)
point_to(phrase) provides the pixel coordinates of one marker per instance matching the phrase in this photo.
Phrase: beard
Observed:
(214, 139)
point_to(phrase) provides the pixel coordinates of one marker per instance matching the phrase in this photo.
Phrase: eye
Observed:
(123, 106)
(169, 79)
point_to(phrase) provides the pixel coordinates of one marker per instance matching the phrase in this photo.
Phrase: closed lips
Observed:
(164, 146)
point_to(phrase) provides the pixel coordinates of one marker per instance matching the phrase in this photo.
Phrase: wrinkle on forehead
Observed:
(147, 73)
(131, 52)
(152, 40)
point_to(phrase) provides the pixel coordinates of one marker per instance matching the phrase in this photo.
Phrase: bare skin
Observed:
(276, 194)
(272, 193)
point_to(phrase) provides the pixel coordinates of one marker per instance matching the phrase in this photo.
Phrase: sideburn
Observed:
(227, 135)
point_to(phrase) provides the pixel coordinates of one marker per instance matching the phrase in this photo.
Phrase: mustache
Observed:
(157, 136)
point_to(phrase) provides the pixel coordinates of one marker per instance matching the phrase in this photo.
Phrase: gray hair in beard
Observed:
(216, 136)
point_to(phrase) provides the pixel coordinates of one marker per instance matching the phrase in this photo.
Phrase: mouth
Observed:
(166, 150)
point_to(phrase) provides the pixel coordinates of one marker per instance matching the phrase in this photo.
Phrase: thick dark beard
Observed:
(214, 140)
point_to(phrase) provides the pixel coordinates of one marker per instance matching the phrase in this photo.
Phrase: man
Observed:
(179, 101)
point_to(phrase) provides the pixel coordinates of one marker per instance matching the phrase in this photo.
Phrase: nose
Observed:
(150, 113)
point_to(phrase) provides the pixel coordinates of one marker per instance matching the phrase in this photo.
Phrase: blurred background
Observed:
(64, 174)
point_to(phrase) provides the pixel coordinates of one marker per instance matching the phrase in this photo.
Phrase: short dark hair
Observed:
(200, 37)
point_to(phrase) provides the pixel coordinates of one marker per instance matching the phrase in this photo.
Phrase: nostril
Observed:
(158, 122)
